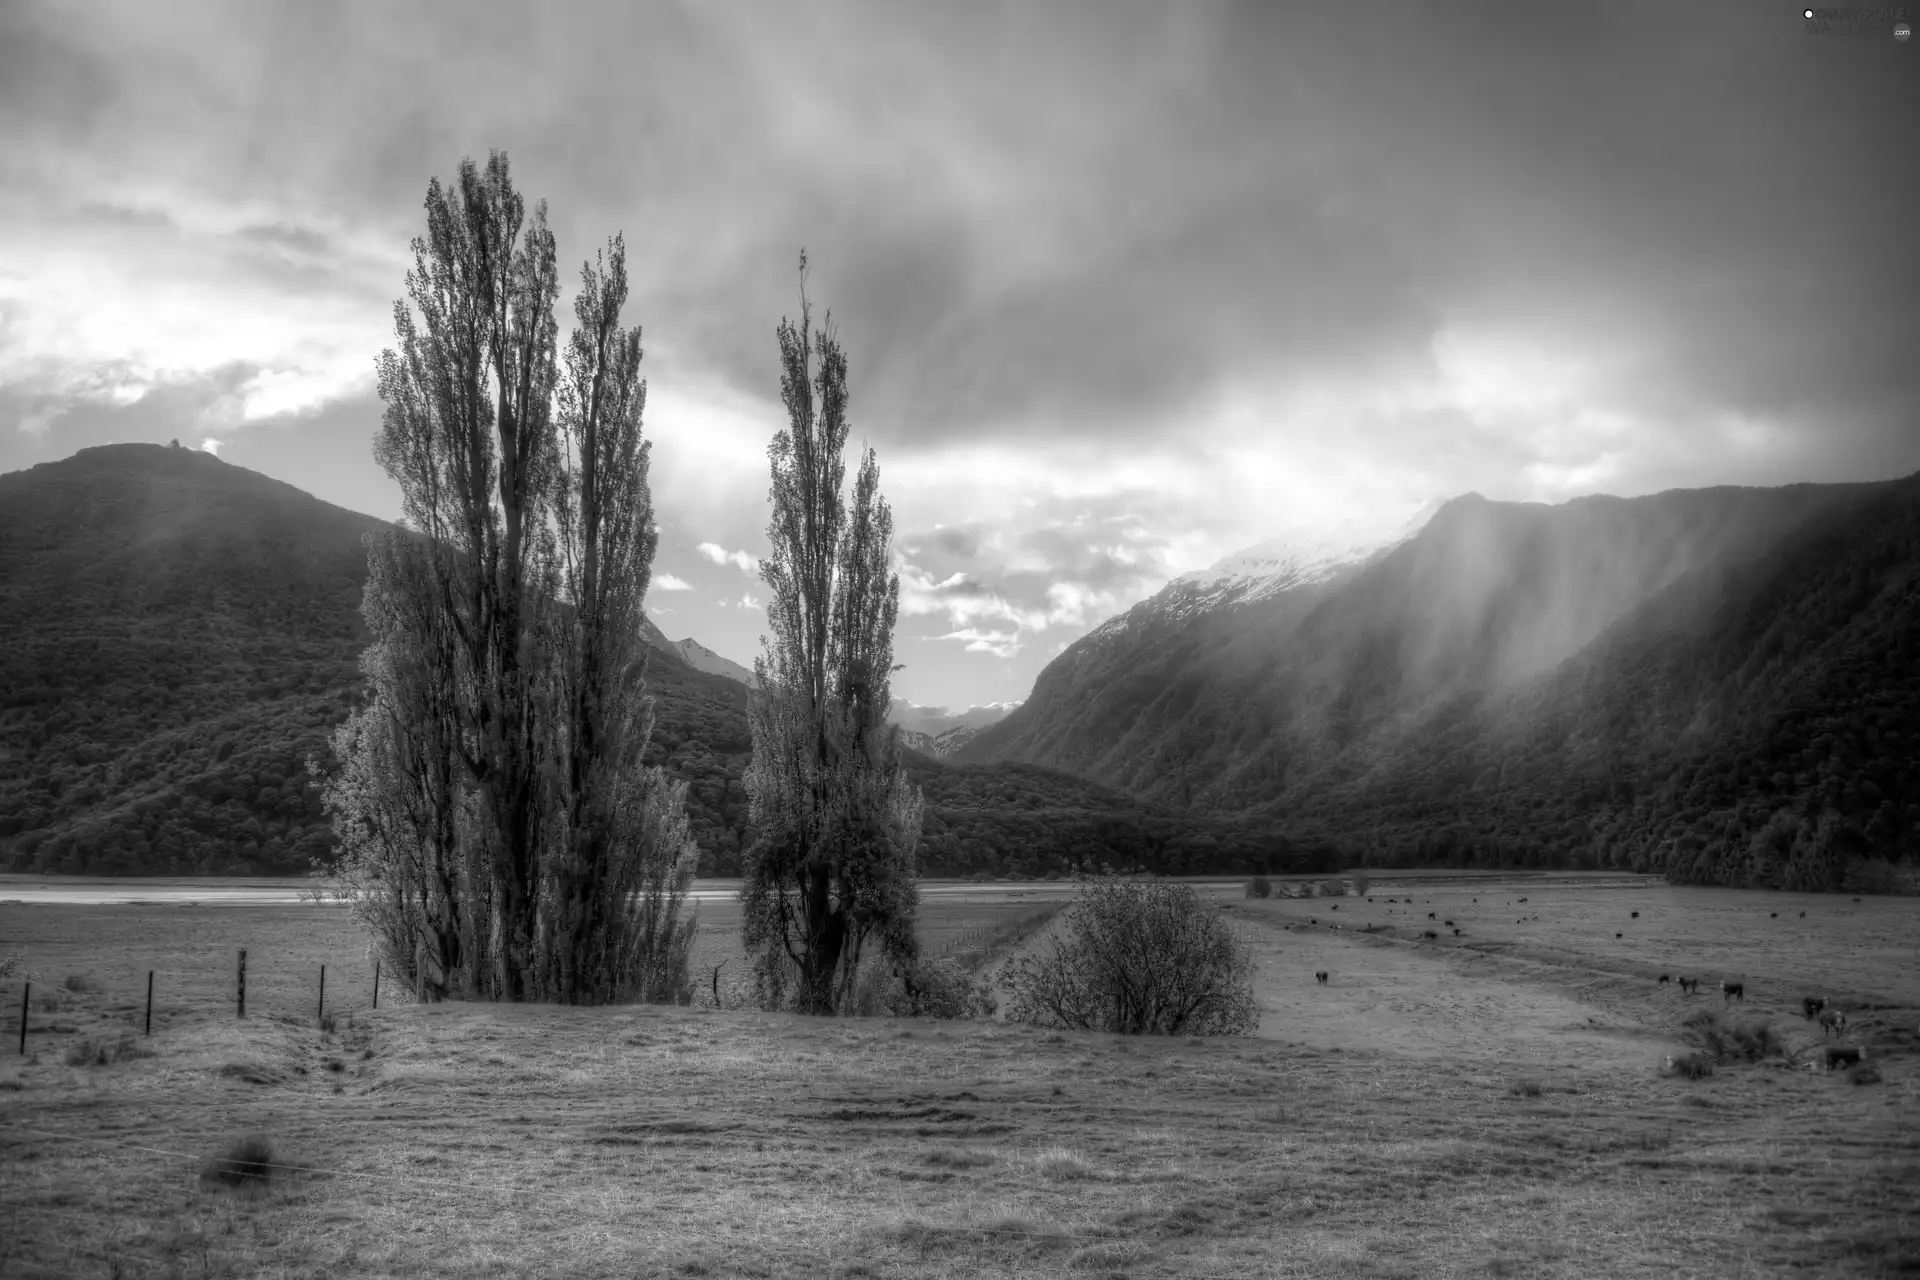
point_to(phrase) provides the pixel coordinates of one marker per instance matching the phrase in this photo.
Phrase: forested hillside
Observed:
(1719, 684)
(179, 636)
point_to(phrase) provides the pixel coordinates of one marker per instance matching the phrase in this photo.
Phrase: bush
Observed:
(1691, 1065)
(1361, 883)
(923, 989)
(1259, 887)
(248, 1162)
(104, 1053)
(1734, 1042)
(1525, 1088)
(1138, 958)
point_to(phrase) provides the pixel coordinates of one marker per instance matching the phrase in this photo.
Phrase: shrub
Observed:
(922, 989)
(79, 983)
(103, 1053)
(1734, 1042)
(248, 1162)
(1527, 1088)
(1138, 958)
(1259, 887)
(1691, 1065)
(14, 962)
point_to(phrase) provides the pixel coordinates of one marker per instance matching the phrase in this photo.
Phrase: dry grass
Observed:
(464, 1141)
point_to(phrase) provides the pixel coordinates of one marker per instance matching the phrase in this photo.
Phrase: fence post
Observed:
(149, 1030)
(376, 983)
(419, 977)
(321, 1015)
(26, 994)
(243, 982)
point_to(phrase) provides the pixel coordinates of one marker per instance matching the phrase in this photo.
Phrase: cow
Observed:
(1619, 935)
(1523, 899)
(1773, 915)
(1636, 915)
(1731, 991)
(1431, 936)
(1832, 1022)
(1456, 933)
(1840, 1056)
(1313, 919)
(1689, 985)
(1803, 915)
(1336, 906)
(1448, 923)
(1432, 915)
(1321, 977)
(1811, 1005)
(1665, 978)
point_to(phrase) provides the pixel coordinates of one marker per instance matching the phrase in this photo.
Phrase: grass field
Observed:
(1488, 1105)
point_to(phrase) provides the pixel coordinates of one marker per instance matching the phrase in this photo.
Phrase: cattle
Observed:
(1811, 1005)
(1336, 906)
(1321, 977)
(1773, 915)
(1619, 935)
(1636, 915)
(1689, 985)
(1313, 919)
(1664, 978)
(1840, 1056)
(1456, 933)
(1433, 915)
(1731, 991)
(1523, 899)
(1803, 915)
(1448, 923)
(1431, 936)
(1833, 1022)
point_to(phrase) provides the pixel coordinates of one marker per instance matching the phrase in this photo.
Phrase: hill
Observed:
(1713, 683)
(178, 636)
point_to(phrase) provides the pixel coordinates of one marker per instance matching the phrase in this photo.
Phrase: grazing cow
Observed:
(1432, 915)
(1448, 923)
(1689, 985)
(1336, 906)
(1665, 978)
(1321, 977)
(1313, 919)
(1476, 899)
(1803, 915)
(1431, 936)
(1838, 1056)
(1456, 933)
(1833, 1022)
(1811, 1005)
(1619, 935)
(1773, 915)
(1636, 915)
(1731, 991)
(1523, 899)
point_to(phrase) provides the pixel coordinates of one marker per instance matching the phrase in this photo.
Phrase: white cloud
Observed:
(1001, 644)
(749, 601)
(212, 446)
(667, 582)
(720, 555)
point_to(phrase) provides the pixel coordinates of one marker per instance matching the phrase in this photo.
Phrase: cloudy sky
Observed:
(1123, 287)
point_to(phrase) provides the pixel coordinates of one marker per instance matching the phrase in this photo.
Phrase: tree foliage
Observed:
(838, 823)
(500, 832)
(1137, 957)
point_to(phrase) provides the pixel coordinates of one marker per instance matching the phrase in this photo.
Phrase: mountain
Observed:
(1085, 712)
(701, 658)
(1607, 682)
(178, 636)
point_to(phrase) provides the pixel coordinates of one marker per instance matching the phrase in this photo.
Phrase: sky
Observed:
(1124, 288)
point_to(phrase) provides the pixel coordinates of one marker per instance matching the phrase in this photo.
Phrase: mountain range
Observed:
(1720, 684)
(179, 636)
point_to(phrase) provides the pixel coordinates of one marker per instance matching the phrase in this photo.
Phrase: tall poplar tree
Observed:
(834, 861)
(497, 828)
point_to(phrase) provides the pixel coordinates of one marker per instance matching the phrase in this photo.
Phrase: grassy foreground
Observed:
(1360, 1139)
(460, 1141)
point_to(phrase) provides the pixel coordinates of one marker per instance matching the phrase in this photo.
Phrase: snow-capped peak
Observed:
(1310, 554)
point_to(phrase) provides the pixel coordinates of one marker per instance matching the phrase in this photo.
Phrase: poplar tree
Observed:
(497, 829)
(833, 864)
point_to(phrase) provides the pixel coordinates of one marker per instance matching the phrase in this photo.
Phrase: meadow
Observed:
(1484, 1105)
